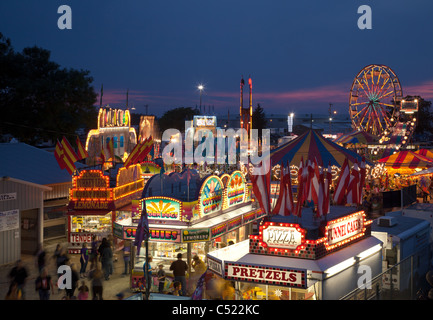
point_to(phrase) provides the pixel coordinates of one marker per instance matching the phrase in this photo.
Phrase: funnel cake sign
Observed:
(345, 229)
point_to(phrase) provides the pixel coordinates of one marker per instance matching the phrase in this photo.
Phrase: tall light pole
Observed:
(330, 117)
(201, 88)
(290, 122)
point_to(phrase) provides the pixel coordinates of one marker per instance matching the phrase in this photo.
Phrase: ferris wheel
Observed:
(374, 97)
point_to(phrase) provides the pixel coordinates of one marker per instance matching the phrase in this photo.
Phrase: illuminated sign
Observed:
(205, 121)
(80, 237)
(211, 195)
(233, 224)
(409, 106)
(91, 190)
(157, 235)
(195, 235)
(235, 189)
(345, 229)
(128, 175)
(266, 274)
(91, 179)
(219, 230)
(215, 266)
(287, 236)
(249, 217)
(163, 208)
(113, 118)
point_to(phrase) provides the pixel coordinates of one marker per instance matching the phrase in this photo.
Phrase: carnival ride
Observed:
(377, 106)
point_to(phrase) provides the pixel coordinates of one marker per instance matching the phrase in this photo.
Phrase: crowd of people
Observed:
(183, 284)
(95, 266)
(100, 256)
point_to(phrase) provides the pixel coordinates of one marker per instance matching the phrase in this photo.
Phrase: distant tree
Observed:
(259, 119)
(175, 118)
(39, 100)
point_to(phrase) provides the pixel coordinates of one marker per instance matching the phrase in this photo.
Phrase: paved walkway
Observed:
(116, 284)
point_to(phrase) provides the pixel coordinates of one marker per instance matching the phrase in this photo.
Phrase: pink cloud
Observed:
(425, 90)
(335, 93)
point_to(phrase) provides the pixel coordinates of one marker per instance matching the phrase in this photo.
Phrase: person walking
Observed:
(84, 259)
(126, 256)
(19, 275)
(106, 259)
(40, 258)
(74, 283)
(96, 280)
(179, 268)
(93, 258)
(44, 285)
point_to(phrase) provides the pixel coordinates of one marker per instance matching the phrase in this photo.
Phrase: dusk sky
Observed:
(301, 55)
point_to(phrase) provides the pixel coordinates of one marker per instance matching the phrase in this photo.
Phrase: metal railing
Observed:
(403, 281)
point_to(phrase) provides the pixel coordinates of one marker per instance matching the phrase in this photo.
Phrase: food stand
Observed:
(222, 212)
(96, 198)
(306, 258)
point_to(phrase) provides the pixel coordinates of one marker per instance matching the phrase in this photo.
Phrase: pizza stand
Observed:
(96, 199)
(304, 258)
(219, 210)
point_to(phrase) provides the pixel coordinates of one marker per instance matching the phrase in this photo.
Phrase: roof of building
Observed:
(28, 163)
(403, 224)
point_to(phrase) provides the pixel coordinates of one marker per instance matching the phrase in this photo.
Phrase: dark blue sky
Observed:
(301, 55)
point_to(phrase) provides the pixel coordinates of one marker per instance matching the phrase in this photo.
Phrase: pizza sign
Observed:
(282, 236)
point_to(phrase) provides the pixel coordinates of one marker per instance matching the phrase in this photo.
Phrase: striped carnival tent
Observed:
(425, 152)
(407, 160)
(312, 145)
(357, 137)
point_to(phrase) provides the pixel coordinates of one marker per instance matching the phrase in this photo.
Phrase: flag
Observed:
(142, 232)
(144, 150)
(104, 155)
(69, 151)
(58, 154)
(342, 183)
(327, 181)
(321, 197)
(69, 156)
(261, 181)
(289, 198)
(81, 151)
(314, 178)
(362, 171)
(132, 155)
(281, 201)
(353, 186)
(284, 204)
(300, 195)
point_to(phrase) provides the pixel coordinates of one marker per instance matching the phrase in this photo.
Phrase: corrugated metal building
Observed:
(21, 218)
(34, 194)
